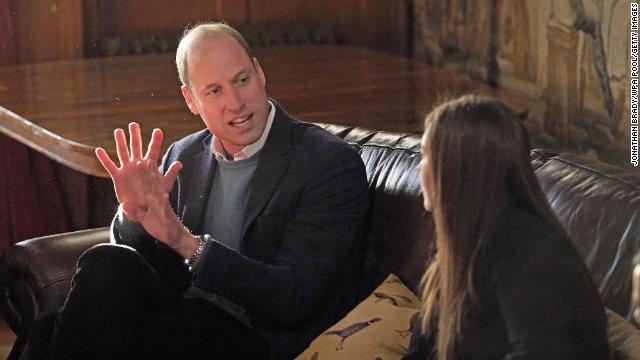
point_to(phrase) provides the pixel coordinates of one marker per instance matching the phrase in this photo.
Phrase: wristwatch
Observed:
(192, 260)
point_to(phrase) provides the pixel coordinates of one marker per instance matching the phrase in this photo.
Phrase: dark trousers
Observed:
(120, 308)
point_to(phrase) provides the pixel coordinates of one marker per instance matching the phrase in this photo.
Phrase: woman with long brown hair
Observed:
(506, 282)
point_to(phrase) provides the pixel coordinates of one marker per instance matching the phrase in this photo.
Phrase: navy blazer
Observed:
(296, 269)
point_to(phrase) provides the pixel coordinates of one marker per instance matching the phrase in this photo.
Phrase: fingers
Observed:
(121, 146)
(106, 161)
(153, 170)
(171, 175)
(153, 150)
(155, 145)
(136, 141)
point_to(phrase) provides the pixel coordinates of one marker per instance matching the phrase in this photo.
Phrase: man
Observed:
(246, 247)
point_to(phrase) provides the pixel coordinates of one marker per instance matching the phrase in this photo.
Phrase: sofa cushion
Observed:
(599, 207)
(399, 236)
(597, 203)
(400, 232)
(379, 327)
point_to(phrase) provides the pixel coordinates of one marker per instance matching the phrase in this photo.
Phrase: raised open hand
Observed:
(129, 186)
(157, 217)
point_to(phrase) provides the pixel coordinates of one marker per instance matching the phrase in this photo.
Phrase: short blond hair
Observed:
(192, 35)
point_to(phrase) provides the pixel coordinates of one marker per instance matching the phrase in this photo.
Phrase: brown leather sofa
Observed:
(599, 205)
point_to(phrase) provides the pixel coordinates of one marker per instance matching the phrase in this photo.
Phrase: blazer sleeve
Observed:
(163, 259)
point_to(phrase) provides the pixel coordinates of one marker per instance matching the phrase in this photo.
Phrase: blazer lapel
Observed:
(271, 167)
(199, 187)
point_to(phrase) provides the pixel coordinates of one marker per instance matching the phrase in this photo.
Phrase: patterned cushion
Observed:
(624, 338)
(378, 328)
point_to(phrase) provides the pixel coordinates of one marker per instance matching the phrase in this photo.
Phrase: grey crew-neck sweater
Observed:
(228, 199)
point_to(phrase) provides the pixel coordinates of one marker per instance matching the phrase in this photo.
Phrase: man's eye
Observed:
(243, 80)
(215, 91)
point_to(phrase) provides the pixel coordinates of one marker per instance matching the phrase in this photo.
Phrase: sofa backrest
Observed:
(399, 235)
(598, 204)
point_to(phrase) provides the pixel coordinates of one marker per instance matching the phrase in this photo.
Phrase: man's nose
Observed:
(234, 100)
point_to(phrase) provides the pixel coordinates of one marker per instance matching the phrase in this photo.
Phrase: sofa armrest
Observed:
(35, 274)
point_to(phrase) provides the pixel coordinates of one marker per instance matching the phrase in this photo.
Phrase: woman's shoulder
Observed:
(526, 239)
(522, 229)
(543, 287)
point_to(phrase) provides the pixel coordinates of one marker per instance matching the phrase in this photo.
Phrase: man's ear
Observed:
(256, 65)
(186, 93)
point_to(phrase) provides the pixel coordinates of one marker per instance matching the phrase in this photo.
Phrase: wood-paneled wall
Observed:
(43, 30)
(7, 38)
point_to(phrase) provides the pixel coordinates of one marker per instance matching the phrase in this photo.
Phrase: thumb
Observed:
(171, 175)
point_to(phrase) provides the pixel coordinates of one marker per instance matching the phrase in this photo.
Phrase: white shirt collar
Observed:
(249, 150)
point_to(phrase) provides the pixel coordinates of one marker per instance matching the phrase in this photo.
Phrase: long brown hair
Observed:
(480, 164)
